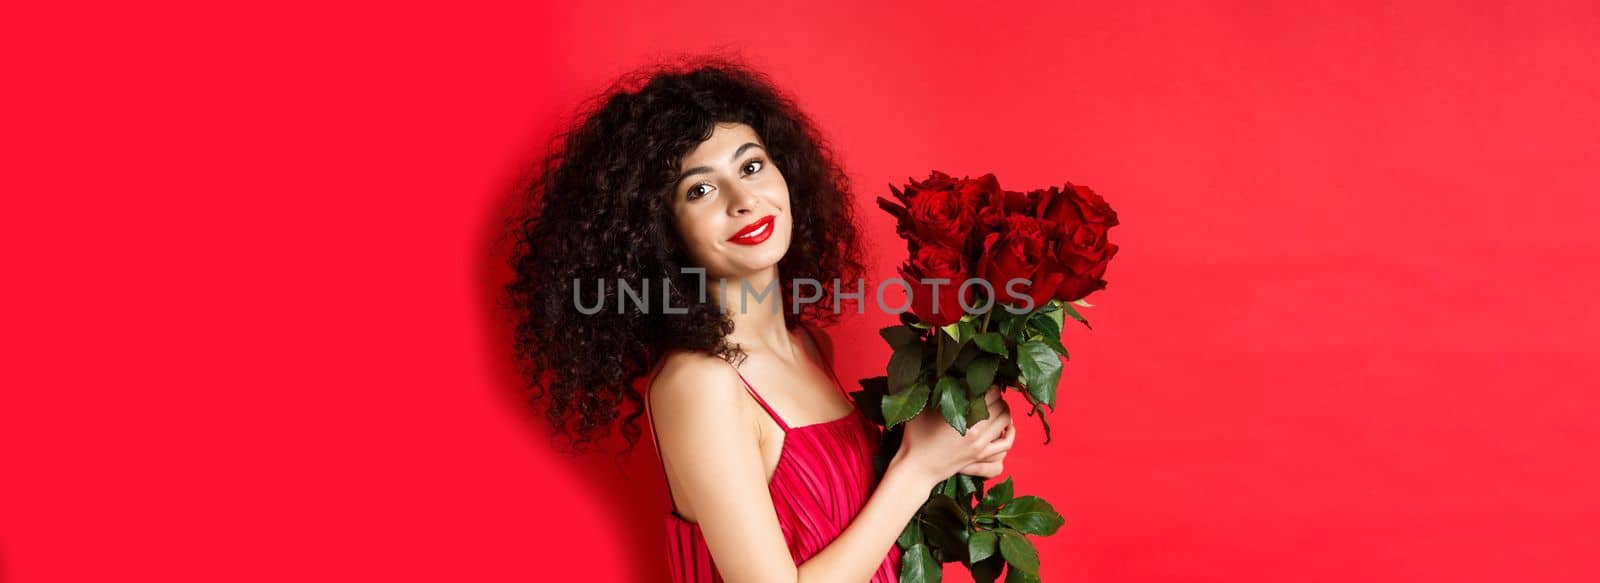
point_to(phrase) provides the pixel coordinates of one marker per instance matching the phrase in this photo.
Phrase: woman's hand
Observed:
(934, 450)
(991, 466)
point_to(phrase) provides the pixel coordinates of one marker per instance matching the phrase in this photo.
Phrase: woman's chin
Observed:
(757, 257)
(751, 267)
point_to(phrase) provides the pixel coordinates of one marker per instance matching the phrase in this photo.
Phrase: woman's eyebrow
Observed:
(735, 156)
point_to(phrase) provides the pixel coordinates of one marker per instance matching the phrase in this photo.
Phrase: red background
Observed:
(1350, 335)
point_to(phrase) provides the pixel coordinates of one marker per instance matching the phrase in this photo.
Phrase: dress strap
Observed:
(763, 402)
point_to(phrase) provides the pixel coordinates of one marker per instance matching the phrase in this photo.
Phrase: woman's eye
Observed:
(696, 192)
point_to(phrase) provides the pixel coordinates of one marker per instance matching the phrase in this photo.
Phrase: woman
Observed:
(676, 181)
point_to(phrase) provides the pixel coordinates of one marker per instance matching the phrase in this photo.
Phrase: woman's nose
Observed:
(742, 202)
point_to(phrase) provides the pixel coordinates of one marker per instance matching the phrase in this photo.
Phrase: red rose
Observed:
(1078, 219)
(936, 181)
(977, 191)
(992, 217)
(1018, 203)
(939, 210)
(1055, 238)
(940, 216)
(1076, 205)
(936, 262)
(1082, 254)
(1021, 251)
(1022, 223)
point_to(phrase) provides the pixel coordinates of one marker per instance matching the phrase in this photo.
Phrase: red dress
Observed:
(824, 477)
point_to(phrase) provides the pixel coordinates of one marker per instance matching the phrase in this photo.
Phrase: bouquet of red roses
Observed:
(993, 274)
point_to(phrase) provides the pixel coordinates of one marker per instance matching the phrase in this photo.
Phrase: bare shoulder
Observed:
(695, 386)
(705, 430)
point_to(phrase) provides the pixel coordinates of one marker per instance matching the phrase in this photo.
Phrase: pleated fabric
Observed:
(823, 478)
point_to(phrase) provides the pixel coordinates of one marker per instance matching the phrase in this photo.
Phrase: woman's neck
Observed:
(755, 303)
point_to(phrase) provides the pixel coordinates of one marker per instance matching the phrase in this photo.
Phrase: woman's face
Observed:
(731, 205)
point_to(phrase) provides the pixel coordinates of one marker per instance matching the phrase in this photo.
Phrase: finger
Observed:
(992, 426)
(1000, 418)
(1007, 433)
(992, 395)
(1001, 422)
(980, 432)
(983, 469)
(1011, 422)
(999, 446)
(992, 456)
(996, 408)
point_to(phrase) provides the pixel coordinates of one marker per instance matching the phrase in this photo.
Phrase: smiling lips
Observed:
(754, 233)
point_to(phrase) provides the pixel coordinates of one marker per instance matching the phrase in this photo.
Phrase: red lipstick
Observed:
(754, 233)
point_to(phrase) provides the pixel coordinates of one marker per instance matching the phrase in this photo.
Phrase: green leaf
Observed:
(981, 545)
(1019, 552)
(1055, 344)
(1070, 311)
(998, 496)
(987, 570)
(1056, 315)
(968, 352)
(968, 329)
(950, 554)
(944, 525)
(977, 410)
(909, 319)
(952, 330)
(980, 373)
(1046, 325)
(1041, 370)
(870, 398)
(1015, 575)
(917, 566)
(952, 398)
(991, 342)
(1031, 515)
(897, 408)
(945, 511)
(905, 366)
(951, 487)
(1012, 326)
(971, 391)
(1000, 314)
(898, 336)
(912, 535)
(965, 487)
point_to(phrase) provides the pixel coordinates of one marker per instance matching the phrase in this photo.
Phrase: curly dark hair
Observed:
(599, 207)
